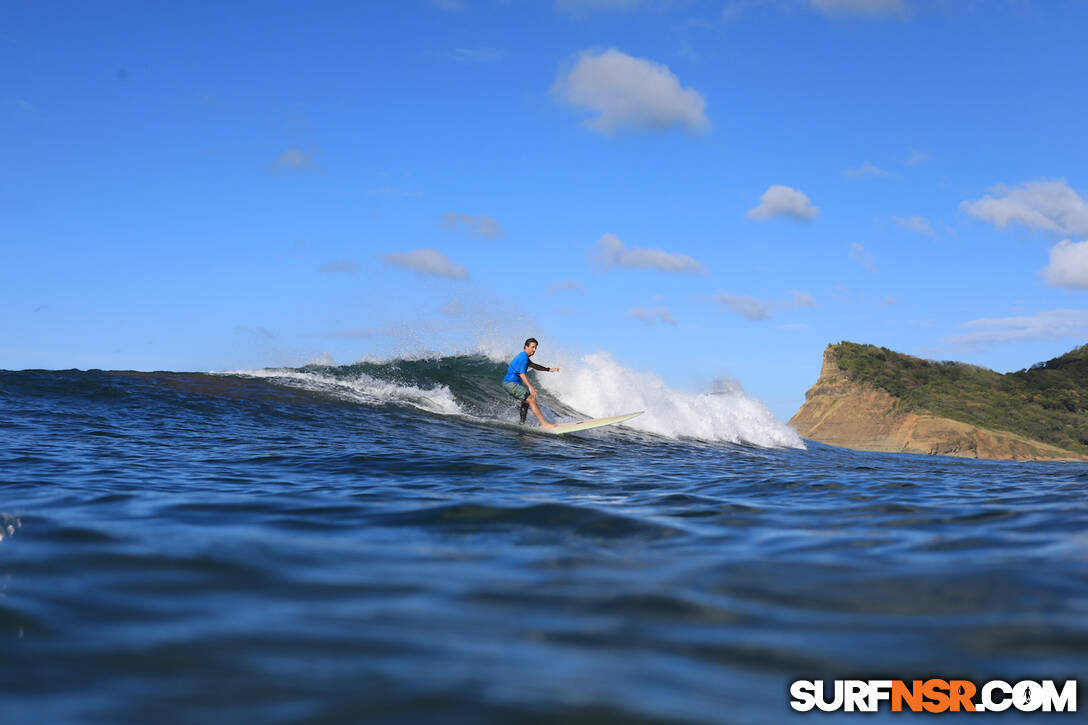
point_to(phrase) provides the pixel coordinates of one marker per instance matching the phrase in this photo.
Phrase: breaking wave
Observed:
(590, 386)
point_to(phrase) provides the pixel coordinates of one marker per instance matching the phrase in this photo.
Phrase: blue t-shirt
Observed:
(519, 364)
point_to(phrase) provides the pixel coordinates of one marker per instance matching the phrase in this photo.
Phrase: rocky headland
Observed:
(874, 399)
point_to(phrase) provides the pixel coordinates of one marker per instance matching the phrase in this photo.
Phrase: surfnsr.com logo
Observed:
(934, 695)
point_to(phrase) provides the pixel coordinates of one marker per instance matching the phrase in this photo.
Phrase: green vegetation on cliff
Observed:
(1048, 402)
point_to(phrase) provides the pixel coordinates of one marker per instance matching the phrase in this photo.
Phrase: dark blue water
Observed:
(183, 548)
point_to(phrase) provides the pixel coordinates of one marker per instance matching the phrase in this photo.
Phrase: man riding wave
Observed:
(516, 382)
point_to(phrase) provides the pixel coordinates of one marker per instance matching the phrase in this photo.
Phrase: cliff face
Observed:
(849, 414)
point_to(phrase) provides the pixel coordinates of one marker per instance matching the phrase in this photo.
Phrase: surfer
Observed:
(516, 382)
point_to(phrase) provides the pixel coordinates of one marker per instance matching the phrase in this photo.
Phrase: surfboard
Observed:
(588, 424)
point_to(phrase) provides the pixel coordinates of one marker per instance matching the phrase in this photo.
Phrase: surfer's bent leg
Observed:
(531, 400)
(520, 393)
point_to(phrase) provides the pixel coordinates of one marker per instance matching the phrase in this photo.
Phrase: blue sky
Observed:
(701, 189)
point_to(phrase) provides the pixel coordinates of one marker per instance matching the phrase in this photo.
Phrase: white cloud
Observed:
(747, 306)
(917, 157)
(481, 226)
(859, 255)
(650, 316)
(630, 92)
(866, 171)
(340, 266)
(427, 261)
(609, 252)
(564, 286)
(753, 309)
(916, 224)
(294, 160)
(1068, 265)
(1048, 325)
(782, 201)
(1048, 206)
(874, 8)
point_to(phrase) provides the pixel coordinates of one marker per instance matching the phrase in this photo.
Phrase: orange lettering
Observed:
(937, 691)
(961, 692)
(912, 695)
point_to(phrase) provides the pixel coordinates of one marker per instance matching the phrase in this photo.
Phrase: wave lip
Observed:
(363, 388)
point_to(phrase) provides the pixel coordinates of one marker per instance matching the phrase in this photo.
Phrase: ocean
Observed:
(383, 542)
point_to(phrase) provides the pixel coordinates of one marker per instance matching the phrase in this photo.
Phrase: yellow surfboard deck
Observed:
(588, 424)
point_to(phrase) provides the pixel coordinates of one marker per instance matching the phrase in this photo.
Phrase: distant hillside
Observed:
(879, 399)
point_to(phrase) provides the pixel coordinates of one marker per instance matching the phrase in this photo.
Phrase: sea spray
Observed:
(361, 388)
(598, 386)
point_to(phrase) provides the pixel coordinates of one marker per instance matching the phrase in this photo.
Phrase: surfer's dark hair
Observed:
(531, 339)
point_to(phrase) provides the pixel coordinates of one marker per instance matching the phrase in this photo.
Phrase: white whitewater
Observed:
(598, 386)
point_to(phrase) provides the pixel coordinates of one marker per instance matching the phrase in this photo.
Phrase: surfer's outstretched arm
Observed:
(534, 366)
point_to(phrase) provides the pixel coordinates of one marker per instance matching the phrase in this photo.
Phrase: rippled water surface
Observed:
(184, 548)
